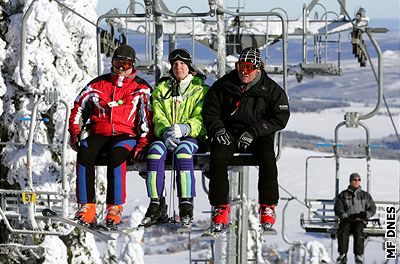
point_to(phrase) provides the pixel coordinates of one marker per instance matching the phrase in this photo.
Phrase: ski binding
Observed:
(267, 229)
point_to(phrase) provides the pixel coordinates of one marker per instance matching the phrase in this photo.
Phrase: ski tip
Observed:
(134, 229)
(184, 229)
(215, 232)
(269, 231)
(218, 227)
(208, 237)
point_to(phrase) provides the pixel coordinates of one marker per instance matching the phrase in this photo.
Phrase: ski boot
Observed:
(267, 216)
(220, 217)
(86, 214)
(342, 259)
(358, 259)
(186, 211)
(113, 216)
(156, 212)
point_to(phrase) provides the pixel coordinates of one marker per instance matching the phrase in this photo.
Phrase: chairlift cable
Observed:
(292, 196)
(391, 118)
(76, 13)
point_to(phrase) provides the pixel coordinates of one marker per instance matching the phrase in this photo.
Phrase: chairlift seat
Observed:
(321, 218)
(323, 69)
(201, 161)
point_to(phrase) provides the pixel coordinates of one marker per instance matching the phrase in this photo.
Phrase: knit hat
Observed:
(251, 55)
(182, 55)
(354, 175)
(125, 52)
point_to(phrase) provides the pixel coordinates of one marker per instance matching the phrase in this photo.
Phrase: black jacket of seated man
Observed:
(241, 112)
(353, 207)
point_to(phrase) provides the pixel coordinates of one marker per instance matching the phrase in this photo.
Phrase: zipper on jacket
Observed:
(111, 112)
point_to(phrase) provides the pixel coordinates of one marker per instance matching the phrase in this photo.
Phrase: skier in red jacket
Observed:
(115, 108)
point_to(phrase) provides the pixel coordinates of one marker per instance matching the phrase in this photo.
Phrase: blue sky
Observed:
(383, 9)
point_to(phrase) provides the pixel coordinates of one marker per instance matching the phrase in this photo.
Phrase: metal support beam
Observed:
(221, 47)
(244, 214)
(159, 49)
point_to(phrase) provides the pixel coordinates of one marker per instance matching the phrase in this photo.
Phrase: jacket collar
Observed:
(233, 83)
(121, 81)
(352, 189)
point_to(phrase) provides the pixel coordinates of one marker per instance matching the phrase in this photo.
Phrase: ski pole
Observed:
(174, 95)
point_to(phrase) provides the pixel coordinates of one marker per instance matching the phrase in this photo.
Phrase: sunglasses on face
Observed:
(122, 64)
(356, 179)
(245, 68)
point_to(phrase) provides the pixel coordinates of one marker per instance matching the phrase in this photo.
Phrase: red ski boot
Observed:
(86, 213)
(267, 216)
(220, 217)
(114, 215)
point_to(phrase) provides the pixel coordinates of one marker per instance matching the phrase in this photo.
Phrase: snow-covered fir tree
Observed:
(60, 54)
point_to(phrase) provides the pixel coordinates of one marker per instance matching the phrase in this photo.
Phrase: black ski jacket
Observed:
(351, 202)
(261, 110)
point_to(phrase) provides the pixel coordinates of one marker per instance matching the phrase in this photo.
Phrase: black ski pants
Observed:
(263, 150)
(344, 231)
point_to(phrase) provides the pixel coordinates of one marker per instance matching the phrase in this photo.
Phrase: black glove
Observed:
(223, 137)
(245, 141)
(353, 217)
(74, 142)
(362, 215)
(345, 220)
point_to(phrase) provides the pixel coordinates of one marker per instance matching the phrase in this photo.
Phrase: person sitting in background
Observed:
(353, 207)
(115, 107)
(177, 105)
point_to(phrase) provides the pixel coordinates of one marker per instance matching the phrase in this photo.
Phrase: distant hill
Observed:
(387, 147)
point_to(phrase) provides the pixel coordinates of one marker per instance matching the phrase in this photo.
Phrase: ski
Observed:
(178, 227)
(185, 225)
(184, 228)
(269, 231)
(266, 229)
(117, 230)
(170, 226)
(53, 215)
(214, 232)
(212, 235)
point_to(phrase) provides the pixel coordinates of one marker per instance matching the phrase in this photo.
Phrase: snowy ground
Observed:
(323, 123)
(385, 180)
(384, 186)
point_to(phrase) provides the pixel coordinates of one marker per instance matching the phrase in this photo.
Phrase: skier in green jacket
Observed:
(178, 126)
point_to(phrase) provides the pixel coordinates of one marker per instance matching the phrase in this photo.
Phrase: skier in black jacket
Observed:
(353, 206)
(241, 113)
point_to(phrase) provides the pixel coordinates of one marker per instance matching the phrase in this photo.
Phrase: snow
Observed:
(328, 119)
(61, 54)
(384, 181)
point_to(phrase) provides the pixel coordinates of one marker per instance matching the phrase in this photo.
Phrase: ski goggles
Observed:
(122, 64)
(245, 68)
(180, 54)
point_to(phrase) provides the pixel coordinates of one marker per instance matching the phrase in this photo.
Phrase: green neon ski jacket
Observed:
(189, 109)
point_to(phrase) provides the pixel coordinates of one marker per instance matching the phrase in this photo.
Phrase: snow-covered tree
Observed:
(59, 54)
(132, 251)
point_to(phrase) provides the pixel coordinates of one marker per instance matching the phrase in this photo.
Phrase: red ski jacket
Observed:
(112, 105)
